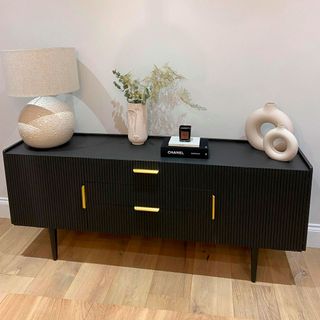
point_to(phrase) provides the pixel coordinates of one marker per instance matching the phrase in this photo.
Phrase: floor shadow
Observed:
(166, 255)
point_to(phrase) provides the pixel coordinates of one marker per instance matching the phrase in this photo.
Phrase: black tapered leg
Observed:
(254, 263)
(54, 243)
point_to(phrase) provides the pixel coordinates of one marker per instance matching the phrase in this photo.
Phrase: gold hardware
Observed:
(213, 206)
(146, 209)
(145, 171)
(83, 196)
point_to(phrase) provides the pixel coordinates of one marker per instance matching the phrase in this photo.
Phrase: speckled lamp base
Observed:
(46, 122)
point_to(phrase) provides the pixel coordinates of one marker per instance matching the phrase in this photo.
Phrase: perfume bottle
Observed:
(185, 133)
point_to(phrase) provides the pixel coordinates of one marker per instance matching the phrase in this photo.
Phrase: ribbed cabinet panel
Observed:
(254, 207)
(45, 192)
(263, 208)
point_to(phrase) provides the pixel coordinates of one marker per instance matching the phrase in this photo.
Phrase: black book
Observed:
(201, 152)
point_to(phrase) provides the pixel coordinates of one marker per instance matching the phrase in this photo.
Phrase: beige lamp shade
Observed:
(40, 72)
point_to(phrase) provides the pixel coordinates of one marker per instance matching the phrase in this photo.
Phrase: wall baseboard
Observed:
(313, 229)
(313, 235)
(4, 208)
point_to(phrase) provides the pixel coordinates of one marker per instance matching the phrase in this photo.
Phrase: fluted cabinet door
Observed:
(45, 192)
(263, 208)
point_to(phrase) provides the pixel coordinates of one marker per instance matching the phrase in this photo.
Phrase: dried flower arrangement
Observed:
(136, 91)
(162, 90)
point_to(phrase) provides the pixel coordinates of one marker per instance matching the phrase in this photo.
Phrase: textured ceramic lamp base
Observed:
(46, 122)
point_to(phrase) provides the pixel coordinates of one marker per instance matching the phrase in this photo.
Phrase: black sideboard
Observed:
(102, 183)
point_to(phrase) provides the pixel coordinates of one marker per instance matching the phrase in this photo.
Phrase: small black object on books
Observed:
(201, 152)
(185, 132)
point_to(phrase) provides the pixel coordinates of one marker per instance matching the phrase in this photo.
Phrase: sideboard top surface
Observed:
(233, 153)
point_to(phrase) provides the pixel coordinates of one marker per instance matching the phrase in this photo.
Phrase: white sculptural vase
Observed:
(290, 144)
(137, 123)
(268, 114)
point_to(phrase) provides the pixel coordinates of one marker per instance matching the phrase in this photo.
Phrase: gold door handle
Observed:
(146, 209)
(145, 171)
(83, 197)
(213, 207)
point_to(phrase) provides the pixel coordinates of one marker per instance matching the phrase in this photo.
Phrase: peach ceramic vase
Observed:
(267, 114)
(137, 123)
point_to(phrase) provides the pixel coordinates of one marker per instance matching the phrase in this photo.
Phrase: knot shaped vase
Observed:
(267, 114)
(290, 144)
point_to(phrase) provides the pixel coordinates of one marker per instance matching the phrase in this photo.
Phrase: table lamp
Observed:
(45, 122)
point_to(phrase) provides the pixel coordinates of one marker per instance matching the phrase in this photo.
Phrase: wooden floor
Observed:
(99, 276)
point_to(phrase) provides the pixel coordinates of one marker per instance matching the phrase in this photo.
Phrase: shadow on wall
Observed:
(95, 96)
(166, 43)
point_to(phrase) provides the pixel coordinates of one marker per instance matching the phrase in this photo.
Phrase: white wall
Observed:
(236, 54)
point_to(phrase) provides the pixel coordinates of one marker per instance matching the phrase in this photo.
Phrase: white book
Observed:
(175, 142)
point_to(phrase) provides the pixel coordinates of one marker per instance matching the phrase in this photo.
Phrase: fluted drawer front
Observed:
(119, 219)
(178, 214)
(145, 173)
(101, 194)
(172, 199)
(119, 172)
(164, 223)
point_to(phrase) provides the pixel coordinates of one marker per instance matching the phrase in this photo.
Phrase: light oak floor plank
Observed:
(92, 282)
(278, 268)
(266, 302)
(14, 284)
(288, 301)
(176, 256)
(212, 260)
(61, 309)
(211, 295)
(157, 278)
(115, 312)
(25, 307)
(101, 312)
(312, 260)
(306, 287)
(130, 286)
(244, 302)
(23, 266)
(17, 238)
(54, 279)
(142, 253)
(170, 290)
(2, 296)
(5, 225)
(5, 259)
(18, 307)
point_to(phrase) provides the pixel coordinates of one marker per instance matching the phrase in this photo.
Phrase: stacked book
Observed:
(195, 148)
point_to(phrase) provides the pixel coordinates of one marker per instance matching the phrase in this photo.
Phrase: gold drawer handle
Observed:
(146, 209)
(83, 196)
(213, 206)
(145, 171)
